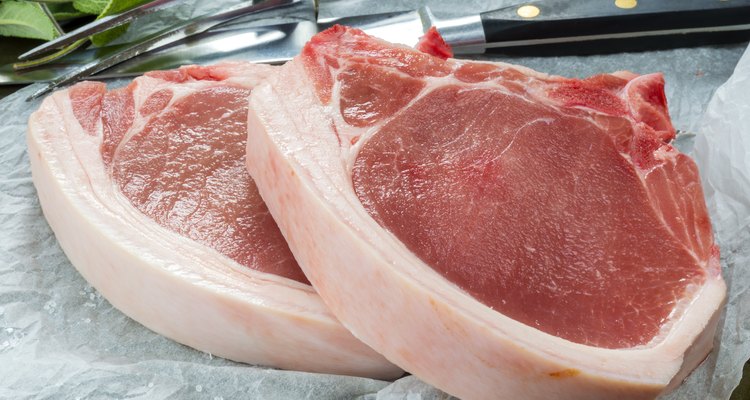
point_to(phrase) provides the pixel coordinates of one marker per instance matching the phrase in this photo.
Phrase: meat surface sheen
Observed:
(146, 191)
(186, 169)
(522, 235)
(531, 193)
(533, 212)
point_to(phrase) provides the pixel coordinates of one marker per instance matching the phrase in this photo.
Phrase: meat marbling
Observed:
(500, 233)
(146, 190)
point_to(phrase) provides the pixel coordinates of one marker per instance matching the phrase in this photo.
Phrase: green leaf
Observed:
(26, 20)
(101, 39)
(65, 11)
(95, 7)
(118, 6)
(51, 57)
(48, 2)
(114, 7)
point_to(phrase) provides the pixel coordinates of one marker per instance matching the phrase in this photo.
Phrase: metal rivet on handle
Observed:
(626, 3)
(528, 11)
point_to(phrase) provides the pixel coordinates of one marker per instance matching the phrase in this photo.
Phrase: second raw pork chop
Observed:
(498, 232)
(146, 191)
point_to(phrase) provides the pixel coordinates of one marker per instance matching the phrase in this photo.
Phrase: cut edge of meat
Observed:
(172, 285)
(496, 354)
(433, 43)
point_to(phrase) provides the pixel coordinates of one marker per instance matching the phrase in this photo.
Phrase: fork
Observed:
(158, 40)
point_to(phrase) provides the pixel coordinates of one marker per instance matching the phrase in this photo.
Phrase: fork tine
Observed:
(164, 38)
(97, 26)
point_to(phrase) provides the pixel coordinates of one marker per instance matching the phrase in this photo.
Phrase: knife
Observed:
(549, 22)
(545, 22)
(679, 22)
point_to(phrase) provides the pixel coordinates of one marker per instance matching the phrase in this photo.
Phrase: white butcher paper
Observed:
(722, 152)
(59, 339)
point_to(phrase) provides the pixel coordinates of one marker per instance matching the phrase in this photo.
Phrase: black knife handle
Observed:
(580, 20)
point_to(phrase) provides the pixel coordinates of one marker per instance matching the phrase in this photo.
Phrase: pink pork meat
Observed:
(498, 232)
(146, 190)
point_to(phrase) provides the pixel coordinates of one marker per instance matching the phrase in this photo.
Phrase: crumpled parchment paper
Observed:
(59, 339)
(722, 151)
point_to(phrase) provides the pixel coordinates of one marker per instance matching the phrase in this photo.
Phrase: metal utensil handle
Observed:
(164, 38)
(99, 25)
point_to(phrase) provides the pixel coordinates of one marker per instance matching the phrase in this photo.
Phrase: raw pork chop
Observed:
(498, 232)
(147, 192)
